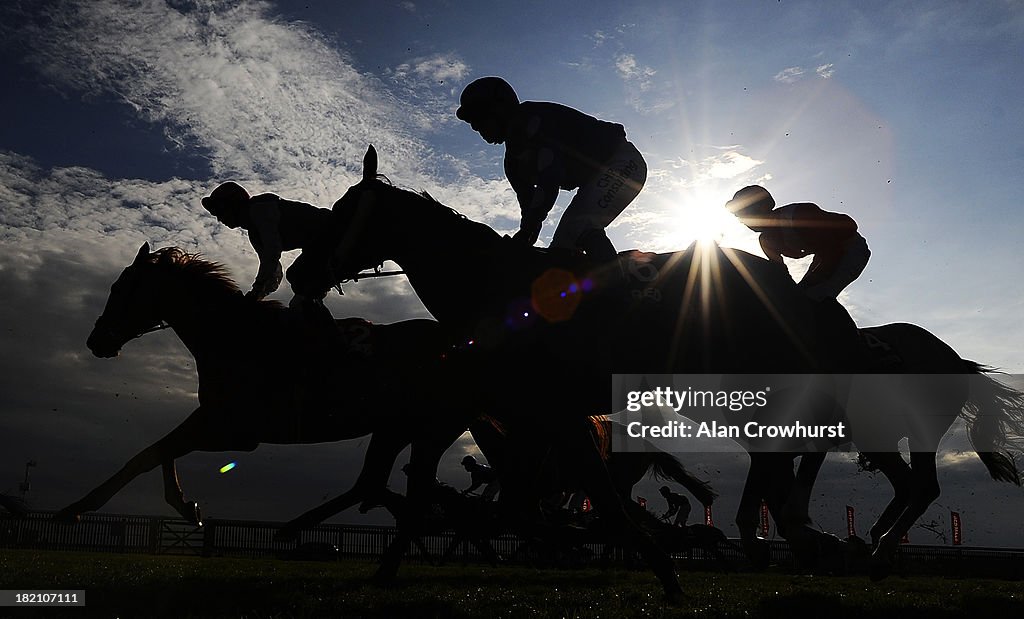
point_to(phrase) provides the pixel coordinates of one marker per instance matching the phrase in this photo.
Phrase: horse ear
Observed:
(370, 164)
(143, 253)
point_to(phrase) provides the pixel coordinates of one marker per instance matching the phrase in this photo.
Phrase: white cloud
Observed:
(633, 72)
(789, 75)
(728, 163)
(429, 87)
(439, 68)
(266, 100)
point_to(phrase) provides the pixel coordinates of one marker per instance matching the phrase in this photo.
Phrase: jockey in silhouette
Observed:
(549, 146)
(678, 505)
(481, 475)
(797, 230)
(840, 255)
(275, 225)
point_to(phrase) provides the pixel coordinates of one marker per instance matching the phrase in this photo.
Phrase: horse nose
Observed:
(95, 344)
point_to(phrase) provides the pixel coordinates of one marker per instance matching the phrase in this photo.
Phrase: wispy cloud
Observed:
(438, 68)
(633, 72)
(728, 163)
(790, 75)
(428, 87)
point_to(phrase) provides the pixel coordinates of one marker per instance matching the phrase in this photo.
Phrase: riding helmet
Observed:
(749, 197)
(484, 95)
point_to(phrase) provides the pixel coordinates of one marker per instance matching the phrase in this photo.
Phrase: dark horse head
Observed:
(348, 246)
(141, 302)
(130, 310)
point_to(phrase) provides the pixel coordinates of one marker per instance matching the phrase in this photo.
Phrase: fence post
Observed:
(155, 524)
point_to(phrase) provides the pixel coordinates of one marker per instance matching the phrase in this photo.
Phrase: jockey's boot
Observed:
(596, 244)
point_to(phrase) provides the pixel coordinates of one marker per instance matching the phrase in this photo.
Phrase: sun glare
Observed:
(699, 214)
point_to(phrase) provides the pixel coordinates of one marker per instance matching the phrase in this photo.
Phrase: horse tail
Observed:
(666, 467)
(601, 431)
(994, 414)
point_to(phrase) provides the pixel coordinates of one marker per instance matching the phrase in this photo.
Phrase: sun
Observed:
(699, 215)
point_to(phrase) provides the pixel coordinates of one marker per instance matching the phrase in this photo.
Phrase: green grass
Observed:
(161, 586)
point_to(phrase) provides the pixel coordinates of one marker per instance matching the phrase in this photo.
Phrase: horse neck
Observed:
(444, 255)
(199, 317)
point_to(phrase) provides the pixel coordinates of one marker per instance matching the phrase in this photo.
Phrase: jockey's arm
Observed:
(770, 247)
(265, 234)
(840, 223)
(535, 176)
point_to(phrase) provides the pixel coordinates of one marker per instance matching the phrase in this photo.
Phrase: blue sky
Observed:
(119, 116)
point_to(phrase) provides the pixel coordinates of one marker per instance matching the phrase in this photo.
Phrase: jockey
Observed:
(274, 224)
(796, 230)
(678, 505)
(481, 475)
(549, 146)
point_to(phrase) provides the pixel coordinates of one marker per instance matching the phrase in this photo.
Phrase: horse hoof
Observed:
(191, 513)
(881, 567)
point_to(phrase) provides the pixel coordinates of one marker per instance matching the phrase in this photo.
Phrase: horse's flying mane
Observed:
(420, 194)
(196, 267)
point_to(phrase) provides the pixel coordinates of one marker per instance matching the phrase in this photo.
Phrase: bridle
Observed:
(108, 332)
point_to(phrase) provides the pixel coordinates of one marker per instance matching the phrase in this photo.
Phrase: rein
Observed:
(111, 333)
(376, 272)
(159, 327)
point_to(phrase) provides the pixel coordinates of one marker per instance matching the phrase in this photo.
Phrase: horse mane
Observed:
(195, 267)
(420, 195)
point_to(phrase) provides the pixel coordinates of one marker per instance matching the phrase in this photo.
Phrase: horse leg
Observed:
(749, 510)
(581, 448)
(377, 464)
(180, 441)
(426, 454)
(796, 509)
(896, 470)
(175, 497)
(924, 491)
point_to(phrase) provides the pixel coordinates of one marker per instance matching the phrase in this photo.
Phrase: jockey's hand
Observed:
(527, 234)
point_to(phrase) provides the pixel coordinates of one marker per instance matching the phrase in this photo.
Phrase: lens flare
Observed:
(227, 467)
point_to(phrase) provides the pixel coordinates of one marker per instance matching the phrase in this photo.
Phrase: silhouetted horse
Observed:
(942, 387)
(925, 388)
(266, 377)
(563, 324)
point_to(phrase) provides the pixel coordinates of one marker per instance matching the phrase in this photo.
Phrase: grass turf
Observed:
(165, 586)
